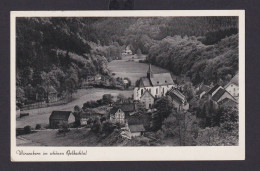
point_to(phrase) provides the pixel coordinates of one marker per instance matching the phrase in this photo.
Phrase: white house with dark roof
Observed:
(232, 87)
(156, 84)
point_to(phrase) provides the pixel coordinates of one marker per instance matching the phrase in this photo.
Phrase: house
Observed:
(179, 100)
(128, 108)
(52, 94)
(202, 90)
(156, 84)
(128, 51)
(228, 103)
(147, 99)
(135, 130)
(212, 91)
(117, 115)
(221, 94)
(58, 117)
(232, 87)
(98, 77)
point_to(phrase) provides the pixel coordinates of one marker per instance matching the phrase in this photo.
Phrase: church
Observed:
(156, 84)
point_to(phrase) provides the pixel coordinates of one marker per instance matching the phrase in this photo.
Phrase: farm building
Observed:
(178, 99)
(220, 95)
(58, 117)
(52, 94)
(136, 130)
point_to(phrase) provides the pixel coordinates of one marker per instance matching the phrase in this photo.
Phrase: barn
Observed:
(58, 117)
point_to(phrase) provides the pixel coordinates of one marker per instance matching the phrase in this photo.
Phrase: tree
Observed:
(164, 106)
(108, 127)
(76, 113)
(121, 98)
(107, 99)
(96, 127)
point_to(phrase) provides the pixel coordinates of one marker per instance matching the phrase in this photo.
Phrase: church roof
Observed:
(155, 79)
(161, 79)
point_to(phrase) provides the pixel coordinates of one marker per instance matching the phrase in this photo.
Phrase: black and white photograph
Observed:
(127, 81)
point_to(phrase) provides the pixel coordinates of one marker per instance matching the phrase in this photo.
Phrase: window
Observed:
(142, 91)
(156, 90)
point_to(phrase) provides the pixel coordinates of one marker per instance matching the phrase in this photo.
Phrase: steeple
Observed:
(149, 72)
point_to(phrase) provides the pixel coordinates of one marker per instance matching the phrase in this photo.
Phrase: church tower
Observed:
(150, 72)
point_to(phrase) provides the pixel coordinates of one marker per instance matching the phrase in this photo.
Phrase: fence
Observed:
(44, 104)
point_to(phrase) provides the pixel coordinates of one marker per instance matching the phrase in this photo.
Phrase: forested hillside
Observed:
(62, 51)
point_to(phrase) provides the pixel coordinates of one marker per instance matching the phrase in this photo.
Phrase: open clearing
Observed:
(131, 69)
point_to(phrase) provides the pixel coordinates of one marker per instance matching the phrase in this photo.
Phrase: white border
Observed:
(135, 153)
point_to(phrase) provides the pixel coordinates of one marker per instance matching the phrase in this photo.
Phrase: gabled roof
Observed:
(146, 91)
(62, 115)
(114, 110)
(218, 94)
(127, 107)
(213, 89)
(234, 80)
(177, 93)
(136, 128)
(51, 90)
(161, 79)
(175, 97)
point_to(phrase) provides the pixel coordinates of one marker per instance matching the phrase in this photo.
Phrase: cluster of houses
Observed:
(218, 95)
(150, 88)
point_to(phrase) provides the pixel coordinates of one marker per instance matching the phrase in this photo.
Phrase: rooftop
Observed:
(62, 115)
(218, 94)
(136, 128)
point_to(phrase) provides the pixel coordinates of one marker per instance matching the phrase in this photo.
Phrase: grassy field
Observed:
(131, 69)
(41, 115)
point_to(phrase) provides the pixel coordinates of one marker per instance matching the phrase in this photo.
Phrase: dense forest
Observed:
(60, 52)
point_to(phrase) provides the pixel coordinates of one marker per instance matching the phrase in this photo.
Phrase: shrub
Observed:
(96, 127)
(108, 127)
(64, 127)
(38, 126)
(27, 129)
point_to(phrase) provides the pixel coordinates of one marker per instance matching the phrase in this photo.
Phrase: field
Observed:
(81, 137)
(131, 68)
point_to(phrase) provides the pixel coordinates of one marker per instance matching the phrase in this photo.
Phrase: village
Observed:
(136, 115)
